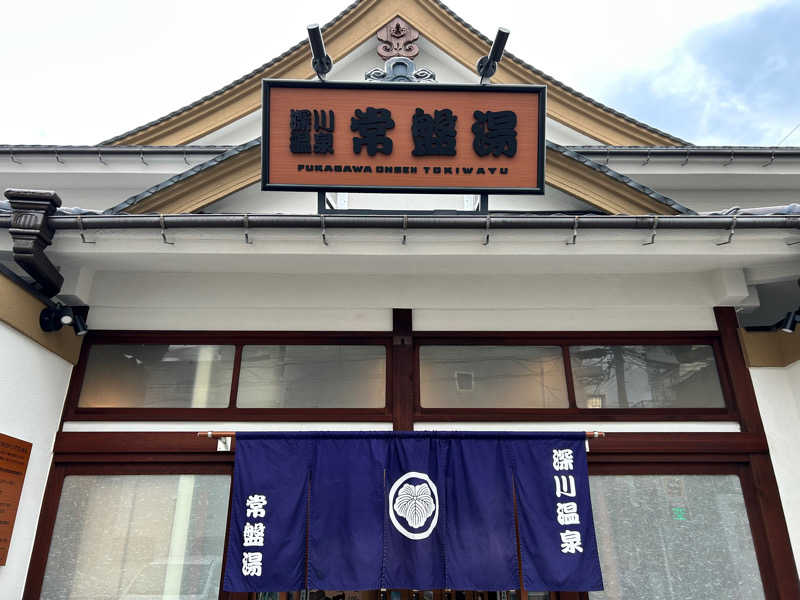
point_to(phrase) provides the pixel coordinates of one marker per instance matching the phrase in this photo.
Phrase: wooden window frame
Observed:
(738, 465)
(565, 340)
(238, 339)
(403, 403)
(109, 464)
(742, 454)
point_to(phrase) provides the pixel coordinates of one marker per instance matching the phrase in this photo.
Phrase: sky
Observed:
(716, 72)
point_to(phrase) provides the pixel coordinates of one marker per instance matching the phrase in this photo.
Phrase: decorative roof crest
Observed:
(397, 39)
(400, 68)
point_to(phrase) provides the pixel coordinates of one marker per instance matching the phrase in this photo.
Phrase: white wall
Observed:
(252, 200)
(33, 383)
(258, 301)
(778, 394)
(82, 180)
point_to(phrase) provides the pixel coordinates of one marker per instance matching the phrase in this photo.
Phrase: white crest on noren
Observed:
(415, 503)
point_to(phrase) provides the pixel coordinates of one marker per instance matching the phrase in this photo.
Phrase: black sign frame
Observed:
(268, 84)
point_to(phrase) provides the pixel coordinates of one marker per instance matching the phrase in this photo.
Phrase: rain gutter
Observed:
(400, 221)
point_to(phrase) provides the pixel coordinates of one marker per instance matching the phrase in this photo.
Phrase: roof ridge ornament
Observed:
(397, 38)
(400, 68)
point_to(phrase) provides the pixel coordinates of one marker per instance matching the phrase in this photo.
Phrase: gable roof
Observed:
(240, 167)
(683, 152)
(354, 26)
(134, 201)
(615, 176)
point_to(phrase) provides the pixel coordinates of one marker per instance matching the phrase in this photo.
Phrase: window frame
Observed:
(109, 464)
(723, 465)
(74, 412)
(677, 452)
(565, 340)
(143, 453)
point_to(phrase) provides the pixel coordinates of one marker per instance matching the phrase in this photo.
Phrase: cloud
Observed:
(732, 83)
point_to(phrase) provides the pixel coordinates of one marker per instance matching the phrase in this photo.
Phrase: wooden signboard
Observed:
(14, 455)
(402, 137)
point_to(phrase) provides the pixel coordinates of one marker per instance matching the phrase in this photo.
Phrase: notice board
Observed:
(14, 456)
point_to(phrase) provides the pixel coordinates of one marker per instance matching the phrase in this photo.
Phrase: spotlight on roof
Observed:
(487, 65)
(320, 61)
(67, 310)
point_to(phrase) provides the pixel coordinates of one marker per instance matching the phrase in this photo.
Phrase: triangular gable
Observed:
(240, 167)
(353, 27)
(201, 185)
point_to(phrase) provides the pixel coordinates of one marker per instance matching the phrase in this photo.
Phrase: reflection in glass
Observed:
(157, 376)
(138, 536)
(312, 377)
(663, 537)
(492, 376)
(645, 377)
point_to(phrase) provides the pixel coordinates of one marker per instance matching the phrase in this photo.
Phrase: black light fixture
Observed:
(789, 322)
(487, 65)
(67, 310)
(320, 60)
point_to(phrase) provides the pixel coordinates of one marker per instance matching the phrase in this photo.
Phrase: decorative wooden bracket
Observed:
(32, 233)
(397, 39)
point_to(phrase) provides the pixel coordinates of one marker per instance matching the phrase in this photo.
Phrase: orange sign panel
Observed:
(403, 137)
(14, 455)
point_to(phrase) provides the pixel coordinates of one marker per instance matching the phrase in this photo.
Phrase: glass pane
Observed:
(157, 376)
(492, 376)
(663, 537)
(138, 536)
(312, 377)
(645, 377)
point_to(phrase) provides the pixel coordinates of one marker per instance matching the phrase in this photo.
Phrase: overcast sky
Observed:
(709, 71)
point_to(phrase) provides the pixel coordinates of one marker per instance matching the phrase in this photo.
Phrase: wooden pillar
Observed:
(402, 365)
(782, 582)
(743, 393)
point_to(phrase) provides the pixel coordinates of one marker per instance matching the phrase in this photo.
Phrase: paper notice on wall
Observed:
(14, 455)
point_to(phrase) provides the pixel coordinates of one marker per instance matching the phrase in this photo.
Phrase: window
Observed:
(157, 376)
(138, 536)
(664, 537)
(665, 377)
(660, 535)
(645, 377)
(487, 376)
(204, 376)
(287, 376)
(312, 377)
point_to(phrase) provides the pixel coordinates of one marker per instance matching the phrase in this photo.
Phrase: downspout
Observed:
(32, 231)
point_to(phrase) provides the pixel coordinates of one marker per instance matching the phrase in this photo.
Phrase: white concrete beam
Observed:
(728, 286)
(774, 272)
